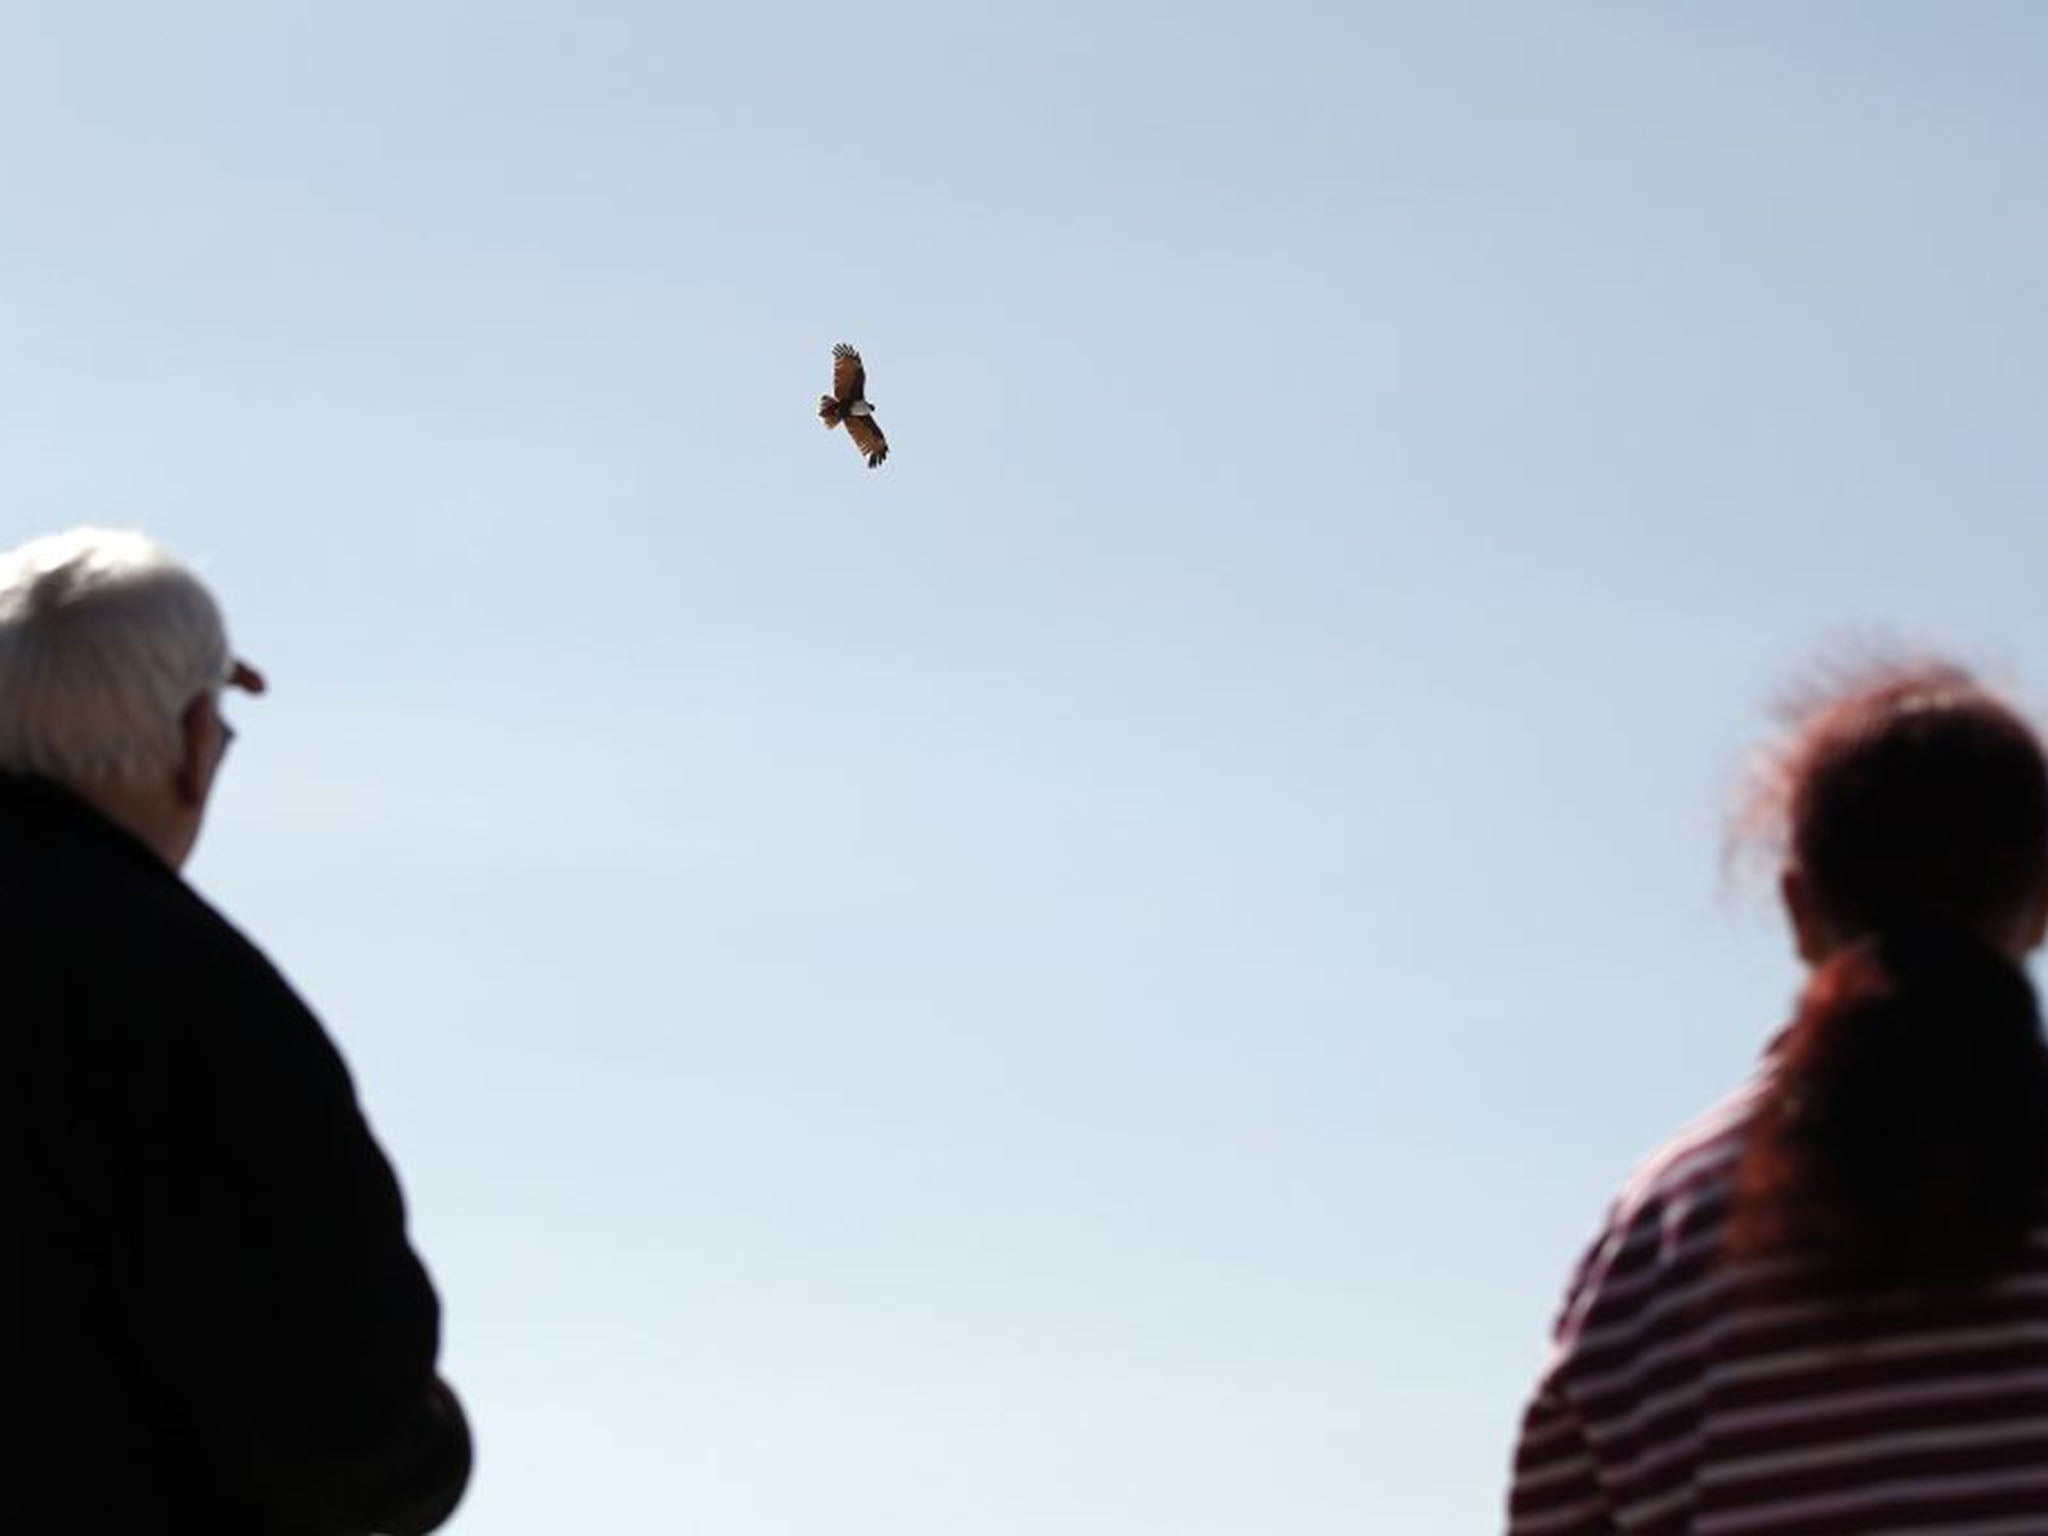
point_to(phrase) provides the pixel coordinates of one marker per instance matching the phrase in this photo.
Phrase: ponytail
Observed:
(1903, 1139)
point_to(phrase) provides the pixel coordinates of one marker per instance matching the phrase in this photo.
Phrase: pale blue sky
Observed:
(1094, 979)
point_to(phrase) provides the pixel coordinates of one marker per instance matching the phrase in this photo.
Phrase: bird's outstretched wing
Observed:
(867, 437)
(849, 379)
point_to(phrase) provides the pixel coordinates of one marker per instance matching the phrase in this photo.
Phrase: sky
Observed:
(1098, 976)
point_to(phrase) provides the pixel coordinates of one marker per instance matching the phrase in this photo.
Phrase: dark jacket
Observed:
(210, 1317)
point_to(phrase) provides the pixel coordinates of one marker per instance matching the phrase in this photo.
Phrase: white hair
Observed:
(105, 641)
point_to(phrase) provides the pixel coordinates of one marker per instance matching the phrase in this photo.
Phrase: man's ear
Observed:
(1809, 929)
(198, 750)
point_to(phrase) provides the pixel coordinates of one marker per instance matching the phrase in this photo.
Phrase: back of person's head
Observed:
(105, 641)
(1903, 1139)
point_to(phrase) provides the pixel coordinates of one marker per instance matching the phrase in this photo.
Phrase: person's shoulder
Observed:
(219, 949)
(211, 1014)
(1695, 1159)
(101, 916)
(71, 880)
(150, 924)
(1667, 1217)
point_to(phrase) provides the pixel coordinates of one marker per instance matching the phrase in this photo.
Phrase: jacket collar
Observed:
(32, 801)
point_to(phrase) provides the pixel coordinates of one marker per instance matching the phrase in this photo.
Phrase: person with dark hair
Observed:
(1823, 1309)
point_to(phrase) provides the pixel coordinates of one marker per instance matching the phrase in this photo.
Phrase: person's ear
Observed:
(198, 752)
(1809, 929)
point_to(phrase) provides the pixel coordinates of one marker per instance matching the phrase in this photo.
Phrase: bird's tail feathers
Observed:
(829, 412)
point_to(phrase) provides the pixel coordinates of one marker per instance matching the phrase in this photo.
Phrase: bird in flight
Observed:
(848, 404)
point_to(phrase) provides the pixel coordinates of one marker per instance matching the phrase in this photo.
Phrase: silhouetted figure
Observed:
(211, 1320)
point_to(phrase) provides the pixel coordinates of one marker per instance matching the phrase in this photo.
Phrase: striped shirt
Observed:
(1690, 1396)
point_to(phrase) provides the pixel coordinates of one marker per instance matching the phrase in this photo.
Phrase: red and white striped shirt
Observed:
(1690, 1396)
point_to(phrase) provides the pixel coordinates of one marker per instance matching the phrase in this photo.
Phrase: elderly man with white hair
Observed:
(211, 1318)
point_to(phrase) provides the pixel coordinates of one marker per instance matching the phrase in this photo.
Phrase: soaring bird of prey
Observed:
(847, 403)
